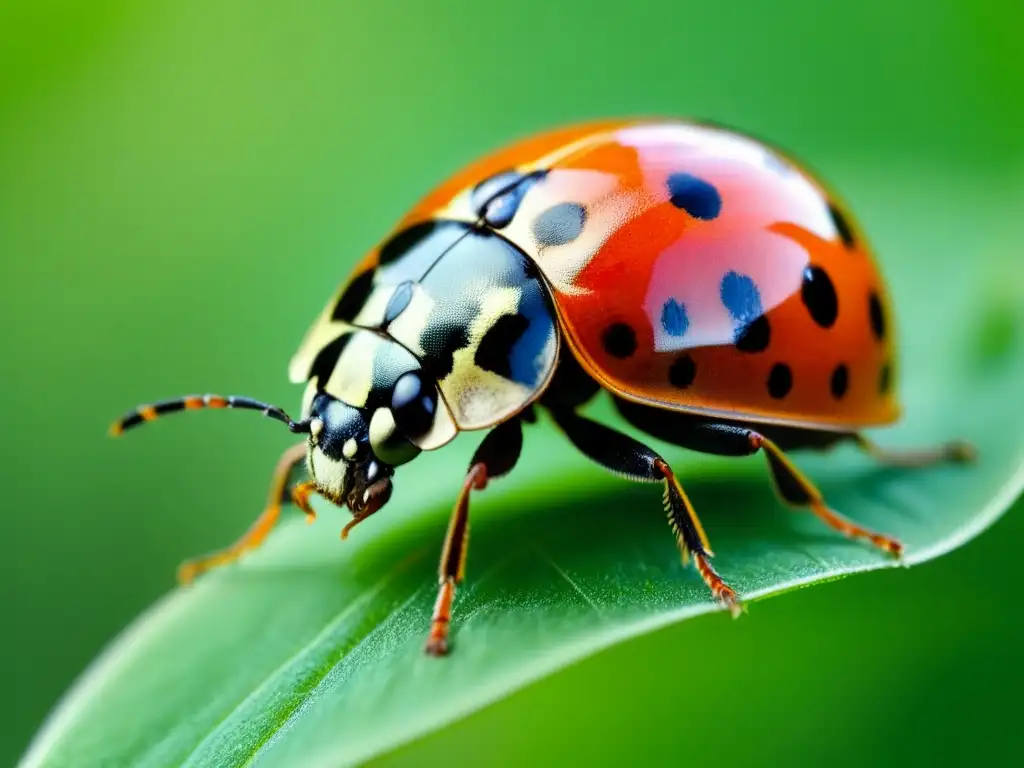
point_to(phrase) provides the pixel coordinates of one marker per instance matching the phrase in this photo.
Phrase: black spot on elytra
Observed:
(326, 359)
(755, 336)
(740, 296)
(842, 226)
(619, 340)
(398, 302)
(780, 381)
(840, 381)
(885, 379)
(405, 241)
(441, 341)
(354, 297)
(695, 196)
(559, 224)
(682, 372)
(819, 296)
(877, 316)
(495, 351)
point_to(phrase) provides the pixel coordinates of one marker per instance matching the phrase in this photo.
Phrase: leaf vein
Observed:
(284, 722)
(576, 587)
(330, 627)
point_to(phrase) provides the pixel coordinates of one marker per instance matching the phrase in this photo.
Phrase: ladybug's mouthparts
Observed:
(366, 495)
(367, 487)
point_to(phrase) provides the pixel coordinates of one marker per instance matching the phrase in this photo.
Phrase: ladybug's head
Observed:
(341, 458)
(341, 455)
(352, 450)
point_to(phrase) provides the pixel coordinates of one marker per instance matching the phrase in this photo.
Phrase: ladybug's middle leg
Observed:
(494, 457)
(625, 456)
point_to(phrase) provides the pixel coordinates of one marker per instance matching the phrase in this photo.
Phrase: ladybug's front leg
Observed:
(258, 531)
(623, 455)
(496, 456)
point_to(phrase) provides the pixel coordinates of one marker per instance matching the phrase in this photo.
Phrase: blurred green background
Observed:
(183, 182)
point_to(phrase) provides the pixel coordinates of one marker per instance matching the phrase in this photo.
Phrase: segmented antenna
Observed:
(145, 413)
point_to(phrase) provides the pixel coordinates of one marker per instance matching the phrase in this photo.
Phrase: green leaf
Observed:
(310, 650)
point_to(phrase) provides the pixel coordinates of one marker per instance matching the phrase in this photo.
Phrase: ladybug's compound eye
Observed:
(388, 442)
(413, 404)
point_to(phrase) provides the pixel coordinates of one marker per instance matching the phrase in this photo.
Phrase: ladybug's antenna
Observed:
(146, 413)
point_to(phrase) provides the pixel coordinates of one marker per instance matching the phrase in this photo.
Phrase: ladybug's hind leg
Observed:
(625, 456)
(258, 531)
(734, 439)
(495, 456)
(956, 451)
(794, 488)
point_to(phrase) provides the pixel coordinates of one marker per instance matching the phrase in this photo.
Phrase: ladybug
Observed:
(718, 291)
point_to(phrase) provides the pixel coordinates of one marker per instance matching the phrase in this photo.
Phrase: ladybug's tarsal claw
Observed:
(436, 646)
(722, 592)
(734, 606)
(188, 571)
(889, 546)
(184, 576)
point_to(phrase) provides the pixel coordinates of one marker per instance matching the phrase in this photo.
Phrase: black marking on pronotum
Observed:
(441, 341)
(354, 297)
(403, 242)
(494, 353)
(327, 358)
(411, 253)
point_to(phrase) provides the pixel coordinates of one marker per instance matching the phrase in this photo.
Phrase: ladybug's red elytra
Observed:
(711, 285)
